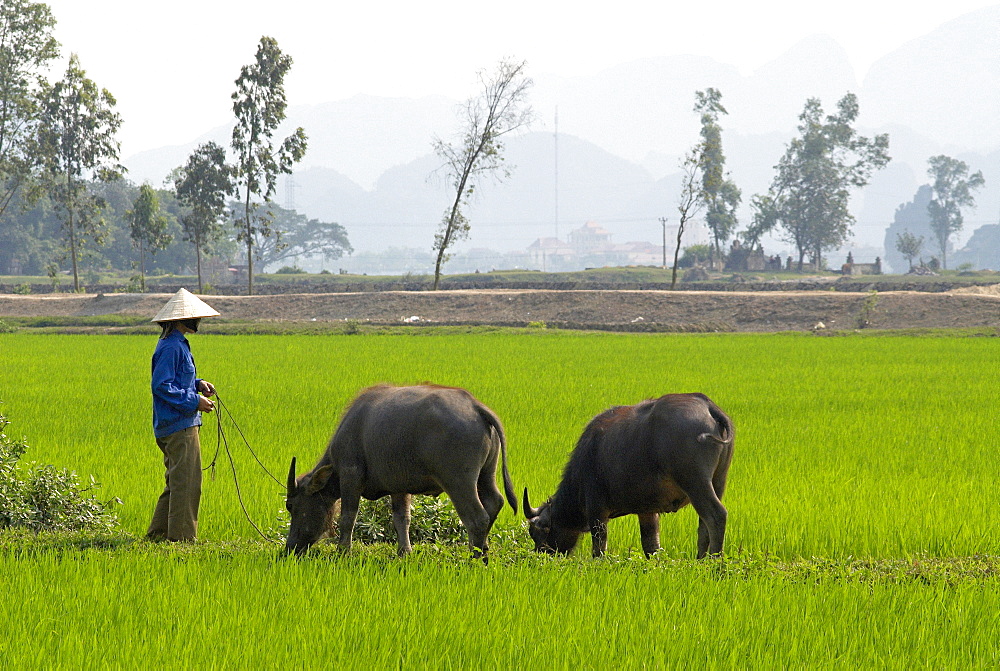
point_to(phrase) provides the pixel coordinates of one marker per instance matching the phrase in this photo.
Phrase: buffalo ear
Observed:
(319, 479)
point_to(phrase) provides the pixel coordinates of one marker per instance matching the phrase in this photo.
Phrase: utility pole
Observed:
(663, 221)
(557, 170)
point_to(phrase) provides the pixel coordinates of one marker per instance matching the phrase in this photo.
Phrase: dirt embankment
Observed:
(614, 309)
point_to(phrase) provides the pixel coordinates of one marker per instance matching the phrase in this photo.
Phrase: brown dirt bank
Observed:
(614, 309)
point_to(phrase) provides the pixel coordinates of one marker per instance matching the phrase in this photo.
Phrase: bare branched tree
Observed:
(690, 202)
(499, 109)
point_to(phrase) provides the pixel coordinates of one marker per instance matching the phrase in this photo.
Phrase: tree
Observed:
(909, 246)
(811, 190)
(77, 140)
(26, 49)
(26, 237)
(689, 203)
(202, 186)
(300, 236)
(694, 255)
(499, 108)
(719, 195)
(147, 227)
(259, 104)
(952, 190)
(763, 220)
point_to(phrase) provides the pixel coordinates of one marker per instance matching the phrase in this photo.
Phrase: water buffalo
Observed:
(399, 441)
(645, 459)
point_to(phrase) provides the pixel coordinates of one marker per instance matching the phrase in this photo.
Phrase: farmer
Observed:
(179, 398)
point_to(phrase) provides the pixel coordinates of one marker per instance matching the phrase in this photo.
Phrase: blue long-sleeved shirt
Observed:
(175, 386)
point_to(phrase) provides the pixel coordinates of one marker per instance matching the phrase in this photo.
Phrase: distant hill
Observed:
(360, 137)
(408, 201)
(622, 131)
(944, 85)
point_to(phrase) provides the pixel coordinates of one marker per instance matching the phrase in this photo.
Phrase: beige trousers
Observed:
(176, 515)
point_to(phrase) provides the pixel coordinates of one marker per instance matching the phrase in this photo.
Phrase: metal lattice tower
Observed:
(290, 186)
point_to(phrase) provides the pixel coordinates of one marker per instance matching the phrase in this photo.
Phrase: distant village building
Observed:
(852, 268)
(237, 272)
(745, 259)
(551, 254)
(642, 253)
(589, 237)
(590, 245)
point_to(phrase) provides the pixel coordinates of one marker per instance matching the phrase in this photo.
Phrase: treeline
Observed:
(32, 240)
(65, 200)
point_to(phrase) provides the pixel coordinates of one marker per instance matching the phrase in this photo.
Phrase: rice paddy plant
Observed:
(240, 606)
(845, 447)
(863, 523)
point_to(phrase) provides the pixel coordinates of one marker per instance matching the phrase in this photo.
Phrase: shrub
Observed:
(289, 270)
(22, 289)
(433, 520)
(693, 255)
(52, 270)
(695, 274)
(867, 311)
(6, 328)
(46, 498)
(134, 285)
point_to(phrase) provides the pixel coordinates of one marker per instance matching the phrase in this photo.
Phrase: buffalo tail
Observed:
(494, 421)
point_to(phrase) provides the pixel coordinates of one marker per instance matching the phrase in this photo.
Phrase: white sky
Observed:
(171, 65)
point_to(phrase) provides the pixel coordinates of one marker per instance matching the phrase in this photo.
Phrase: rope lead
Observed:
(222, 440)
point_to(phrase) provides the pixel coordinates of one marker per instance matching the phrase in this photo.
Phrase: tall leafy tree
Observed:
(259, 105)
(77, 139)
(301, 236)
(499, 108)
(147, 227)
(718, 194)
(27, 47)
(202, 186)
(909, 246)
(809, 196)
(953, 189)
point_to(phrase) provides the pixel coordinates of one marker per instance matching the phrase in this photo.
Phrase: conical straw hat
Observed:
(184, 305)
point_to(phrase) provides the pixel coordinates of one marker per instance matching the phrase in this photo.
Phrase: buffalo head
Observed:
(549, 537)
(310, 502)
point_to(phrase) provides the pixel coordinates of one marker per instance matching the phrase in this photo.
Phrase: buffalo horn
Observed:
(529, 512)
(291, 479)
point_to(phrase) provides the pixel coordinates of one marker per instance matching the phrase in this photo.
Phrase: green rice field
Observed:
(864, 519)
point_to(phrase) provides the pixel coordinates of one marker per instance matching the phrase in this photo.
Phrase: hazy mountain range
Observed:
(620, 135)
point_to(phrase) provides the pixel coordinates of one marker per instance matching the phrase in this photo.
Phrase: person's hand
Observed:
(206, 388)
(205, 404)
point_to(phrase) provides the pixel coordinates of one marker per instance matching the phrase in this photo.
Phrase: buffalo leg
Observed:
(649, 532)
(490, 497)
(704, 532)
(599, 535)
(711, 519)
(401, 521)
(475, 518)
(349, 502)
(703, 538)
